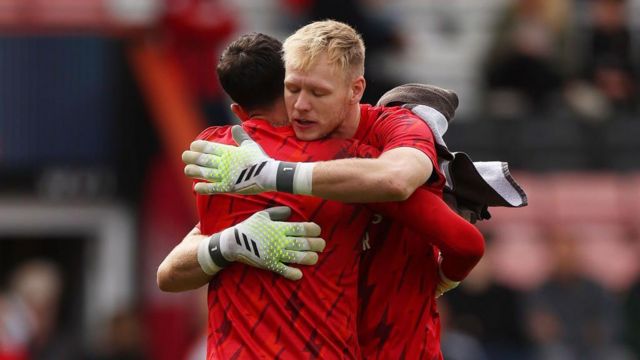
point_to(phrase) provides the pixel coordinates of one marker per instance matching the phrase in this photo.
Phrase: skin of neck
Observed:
(349, 126)
(275, 114)
(351, 109)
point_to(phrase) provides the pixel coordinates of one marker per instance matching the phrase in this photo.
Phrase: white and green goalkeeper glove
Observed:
(243, 169)
(444, 284)
(265, 243)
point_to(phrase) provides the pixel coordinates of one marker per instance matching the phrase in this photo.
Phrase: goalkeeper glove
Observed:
(243, 169)
(444, 284)
(262, 242)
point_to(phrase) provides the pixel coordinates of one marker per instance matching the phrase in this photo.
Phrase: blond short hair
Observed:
(342, 44)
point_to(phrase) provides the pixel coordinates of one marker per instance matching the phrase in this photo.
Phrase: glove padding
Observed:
(263, 242)
(244, 169)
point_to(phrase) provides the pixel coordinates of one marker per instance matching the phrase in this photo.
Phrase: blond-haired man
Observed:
(324, 83)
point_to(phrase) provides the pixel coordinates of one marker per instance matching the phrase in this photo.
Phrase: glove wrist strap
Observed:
(284, 176)
(210, 255)
(294, 178)
(303, 179)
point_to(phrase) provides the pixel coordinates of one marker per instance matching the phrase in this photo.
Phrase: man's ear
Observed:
(357, 89)
(239, 112)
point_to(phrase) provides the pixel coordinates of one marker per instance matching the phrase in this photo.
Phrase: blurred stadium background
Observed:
(98, 98)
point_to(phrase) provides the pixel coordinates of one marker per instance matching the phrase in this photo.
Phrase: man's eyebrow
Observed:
(321, 86)
(314, 84)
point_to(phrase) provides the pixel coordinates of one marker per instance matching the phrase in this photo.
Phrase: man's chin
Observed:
(306, 134)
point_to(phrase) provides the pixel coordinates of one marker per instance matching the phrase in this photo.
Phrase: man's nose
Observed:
(302, 102)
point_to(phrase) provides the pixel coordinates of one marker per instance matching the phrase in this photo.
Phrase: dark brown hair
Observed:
(251, 70)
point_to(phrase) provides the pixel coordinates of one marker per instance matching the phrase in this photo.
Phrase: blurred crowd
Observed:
(568, 315)
(550, 57)
(32, 325)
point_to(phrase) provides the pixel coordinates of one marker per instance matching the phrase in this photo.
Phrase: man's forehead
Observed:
(311, 78)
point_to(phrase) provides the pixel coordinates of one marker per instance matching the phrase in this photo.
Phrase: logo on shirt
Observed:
(366, 245)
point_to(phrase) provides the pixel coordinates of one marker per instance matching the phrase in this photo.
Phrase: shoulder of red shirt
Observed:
(250, 126)
(370, 114)
(214, 132)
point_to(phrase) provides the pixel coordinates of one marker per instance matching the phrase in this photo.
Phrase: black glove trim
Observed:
(215, 252)
(284, 176)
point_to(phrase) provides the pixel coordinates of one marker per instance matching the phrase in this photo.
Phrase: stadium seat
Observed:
(583, 197)
(598, 243)
(521, 255)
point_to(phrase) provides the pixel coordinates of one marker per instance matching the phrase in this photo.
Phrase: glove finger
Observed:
(243, 139)
(202, 173)
(299, 257)
(305, 244)
(239, 135)
(209, 147)
(208, 188)
(288, 272)
(190, 157)
(300, 228)
(197, 158)
(280, 213)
